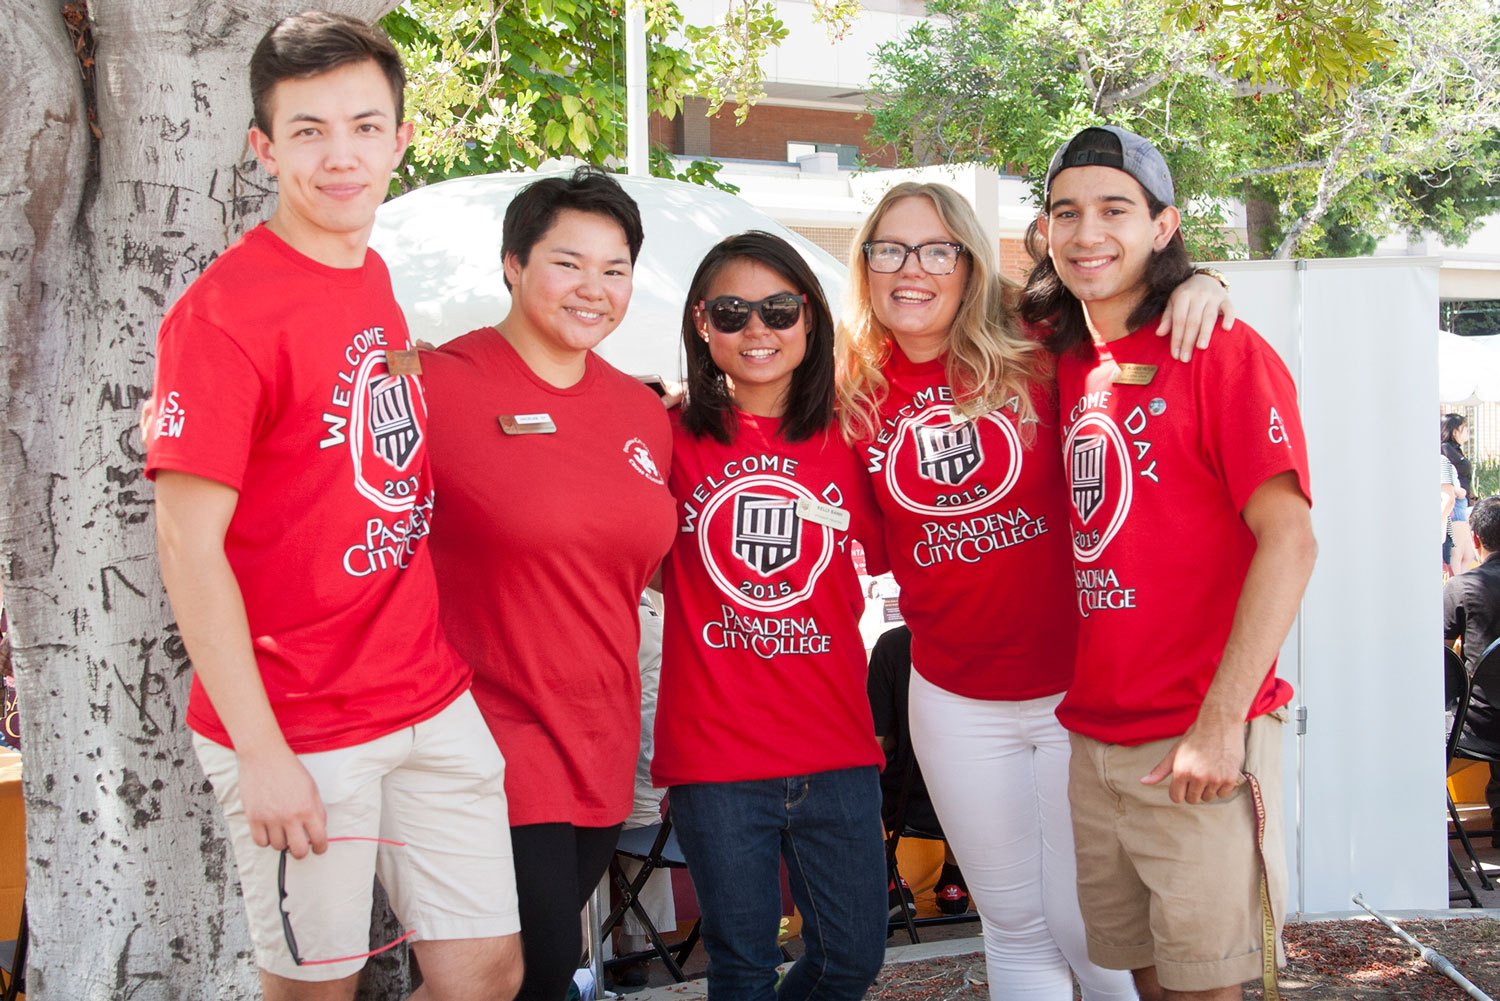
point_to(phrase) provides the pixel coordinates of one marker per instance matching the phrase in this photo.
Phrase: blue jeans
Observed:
(827, 827)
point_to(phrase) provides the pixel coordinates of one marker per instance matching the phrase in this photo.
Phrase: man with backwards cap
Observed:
(1192, 545)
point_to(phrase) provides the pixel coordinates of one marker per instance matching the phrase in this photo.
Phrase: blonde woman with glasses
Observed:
(953, 408)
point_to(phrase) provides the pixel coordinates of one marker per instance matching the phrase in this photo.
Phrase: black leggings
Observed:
(557, 868)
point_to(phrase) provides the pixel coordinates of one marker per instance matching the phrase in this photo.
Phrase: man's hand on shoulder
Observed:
(281, 802)
(1205, 763)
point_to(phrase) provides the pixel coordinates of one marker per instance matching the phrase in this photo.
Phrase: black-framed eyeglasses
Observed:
(286, 919)
(936, 257)
(730, 313)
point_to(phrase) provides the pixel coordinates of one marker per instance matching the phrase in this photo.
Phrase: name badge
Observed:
(1131, 374)
(835, 518)
(401, 363)
(527, 424)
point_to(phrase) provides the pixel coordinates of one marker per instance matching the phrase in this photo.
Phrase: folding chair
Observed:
(13, 961)
(655, 848)
(896, 828)
(1478, 739)
(1456, 694)
(1478, 736)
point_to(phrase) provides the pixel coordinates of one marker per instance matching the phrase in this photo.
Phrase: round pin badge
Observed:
(1157, 406)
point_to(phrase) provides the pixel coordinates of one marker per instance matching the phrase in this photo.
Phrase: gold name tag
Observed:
(835, 518)
(527, 424)
(1131, 374)
(401, 363)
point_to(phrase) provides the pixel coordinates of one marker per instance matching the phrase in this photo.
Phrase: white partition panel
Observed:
(1364, 790)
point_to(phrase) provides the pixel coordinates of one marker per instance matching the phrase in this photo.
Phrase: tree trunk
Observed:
(131, 884)
(1260, 220)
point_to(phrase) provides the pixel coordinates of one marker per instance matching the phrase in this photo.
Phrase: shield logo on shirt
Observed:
(947, 453)
(765, 531)
(1101, 483)
(1087, 475)
(393, 425)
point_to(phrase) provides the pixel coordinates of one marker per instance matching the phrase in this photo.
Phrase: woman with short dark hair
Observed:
(552, 514)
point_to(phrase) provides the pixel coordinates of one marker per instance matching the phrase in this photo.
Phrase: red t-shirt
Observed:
(271, 378)
(763, 669)
(976, 528)
(543, 544)
(1158, 475)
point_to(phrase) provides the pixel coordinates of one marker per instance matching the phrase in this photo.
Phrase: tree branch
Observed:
(1285, 168)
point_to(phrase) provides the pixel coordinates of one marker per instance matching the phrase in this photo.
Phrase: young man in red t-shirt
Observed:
(1192, 545)
(293, 492)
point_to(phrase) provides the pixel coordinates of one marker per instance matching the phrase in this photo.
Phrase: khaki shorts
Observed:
(439, 788)
(1173, 885)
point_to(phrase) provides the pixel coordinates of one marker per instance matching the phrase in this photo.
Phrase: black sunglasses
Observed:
(729, 313)
(286, 920)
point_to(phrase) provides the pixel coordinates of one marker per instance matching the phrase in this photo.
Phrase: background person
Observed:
(903, 793)
(956, 415)
(1458, 550)
(763, 729)
(656, 894)
(553, 515)
(1471, 612)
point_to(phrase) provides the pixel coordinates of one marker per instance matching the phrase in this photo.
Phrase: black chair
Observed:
(13, 961)
(655, 848)
(896, 828)
(1456, 695)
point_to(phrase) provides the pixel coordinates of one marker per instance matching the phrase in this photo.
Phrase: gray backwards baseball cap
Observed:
(1112, 146)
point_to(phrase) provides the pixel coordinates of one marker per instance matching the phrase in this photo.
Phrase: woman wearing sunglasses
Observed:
(763, 727)
(552, 513)
(955, 408)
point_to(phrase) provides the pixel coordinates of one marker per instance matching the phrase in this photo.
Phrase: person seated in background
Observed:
(1471, 613)
(889, 679)
(656, 894)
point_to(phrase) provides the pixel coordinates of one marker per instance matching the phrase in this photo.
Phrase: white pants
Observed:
(998, 776)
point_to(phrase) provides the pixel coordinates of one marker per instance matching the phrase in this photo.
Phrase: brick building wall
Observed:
(765, 133)
(834, 239)
(1014, 261)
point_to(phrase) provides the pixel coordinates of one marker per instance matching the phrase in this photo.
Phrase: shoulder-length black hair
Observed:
(1451, 424)
(1047, 305)
(809, 404)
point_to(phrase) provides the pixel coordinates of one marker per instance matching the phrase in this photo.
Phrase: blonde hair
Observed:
(990, 360)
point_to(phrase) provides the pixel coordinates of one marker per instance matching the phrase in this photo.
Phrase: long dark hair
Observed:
(809, 405)
(1046, 303)
(1451, 424)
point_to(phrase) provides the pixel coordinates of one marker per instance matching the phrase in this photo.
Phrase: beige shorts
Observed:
(438, 788)
(1173, 885)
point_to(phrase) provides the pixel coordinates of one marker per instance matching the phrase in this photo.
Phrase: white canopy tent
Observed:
(1468, 369)
(442, 243)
